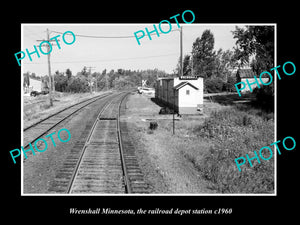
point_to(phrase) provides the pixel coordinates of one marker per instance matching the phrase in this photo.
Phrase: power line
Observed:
(92, 36)
(108, 60)
(89, 36)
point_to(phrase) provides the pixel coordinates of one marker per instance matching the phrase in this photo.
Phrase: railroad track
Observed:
(100, 162)
(37, 130)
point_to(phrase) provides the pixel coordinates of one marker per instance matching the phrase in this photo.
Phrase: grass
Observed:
(202, 153)
(233, 132)
(36, 108)
(160, 153)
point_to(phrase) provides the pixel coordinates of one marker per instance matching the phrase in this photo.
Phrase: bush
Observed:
(234, 134)
(213, 85)
(217, 84)
(265, 97)
(165, 110)
(229, 85)
(78, 84)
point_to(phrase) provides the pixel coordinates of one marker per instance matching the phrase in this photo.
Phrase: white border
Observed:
(171, 194)
(22, 109)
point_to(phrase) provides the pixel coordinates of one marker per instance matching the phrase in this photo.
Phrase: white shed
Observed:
(188, 93)
(34, 85)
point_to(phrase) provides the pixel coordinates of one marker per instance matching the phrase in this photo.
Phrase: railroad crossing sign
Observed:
(144, 83)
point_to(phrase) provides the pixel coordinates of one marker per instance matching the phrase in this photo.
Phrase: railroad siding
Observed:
(94, 165)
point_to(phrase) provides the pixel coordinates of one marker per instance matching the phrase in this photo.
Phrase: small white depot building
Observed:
(184, 93)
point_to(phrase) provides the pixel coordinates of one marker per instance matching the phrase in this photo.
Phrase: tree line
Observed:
(216, 67)
(254, 48)
(257, 42)
(85, 81)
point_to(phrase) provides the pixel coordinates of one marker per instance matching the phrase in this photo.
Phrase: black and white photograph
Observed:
(140, 112)
(106, 112)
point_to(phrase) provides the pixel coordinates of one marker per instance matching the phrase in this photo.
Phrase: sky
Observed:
(114, 53)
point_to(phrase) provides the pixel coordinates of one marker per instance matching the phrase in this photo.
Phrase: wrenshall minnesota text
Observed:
(103, 211)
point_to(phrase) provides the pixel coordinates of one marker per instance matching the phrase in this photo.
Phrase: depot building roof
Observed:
(182, 84)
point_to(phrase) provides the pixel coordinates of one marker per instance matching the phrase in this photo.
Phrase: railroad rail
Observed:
(99, 162)
(37, 130)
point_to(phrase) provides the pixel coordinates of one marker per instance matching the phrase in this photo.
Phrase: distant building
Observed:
(184, 93)
(35, 85)
(248, 74)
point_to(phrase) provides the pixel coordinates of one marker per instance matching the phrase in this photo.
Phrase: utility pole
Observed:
(181, 74)
(192, 70)
(90, 76)
(106, 88)
(96, 82)
(49, 65)
(174, 111)
(181, 59)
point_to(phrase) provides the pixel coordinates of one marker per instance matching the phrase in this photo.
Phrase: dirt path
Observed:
(160, 154)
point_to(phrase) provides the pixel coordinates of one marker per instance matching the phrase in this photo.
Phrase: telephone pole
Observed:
(90, 76)
(106, 88)
(180, 73)
(181, 59)
(51, 84)
(192, 61)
